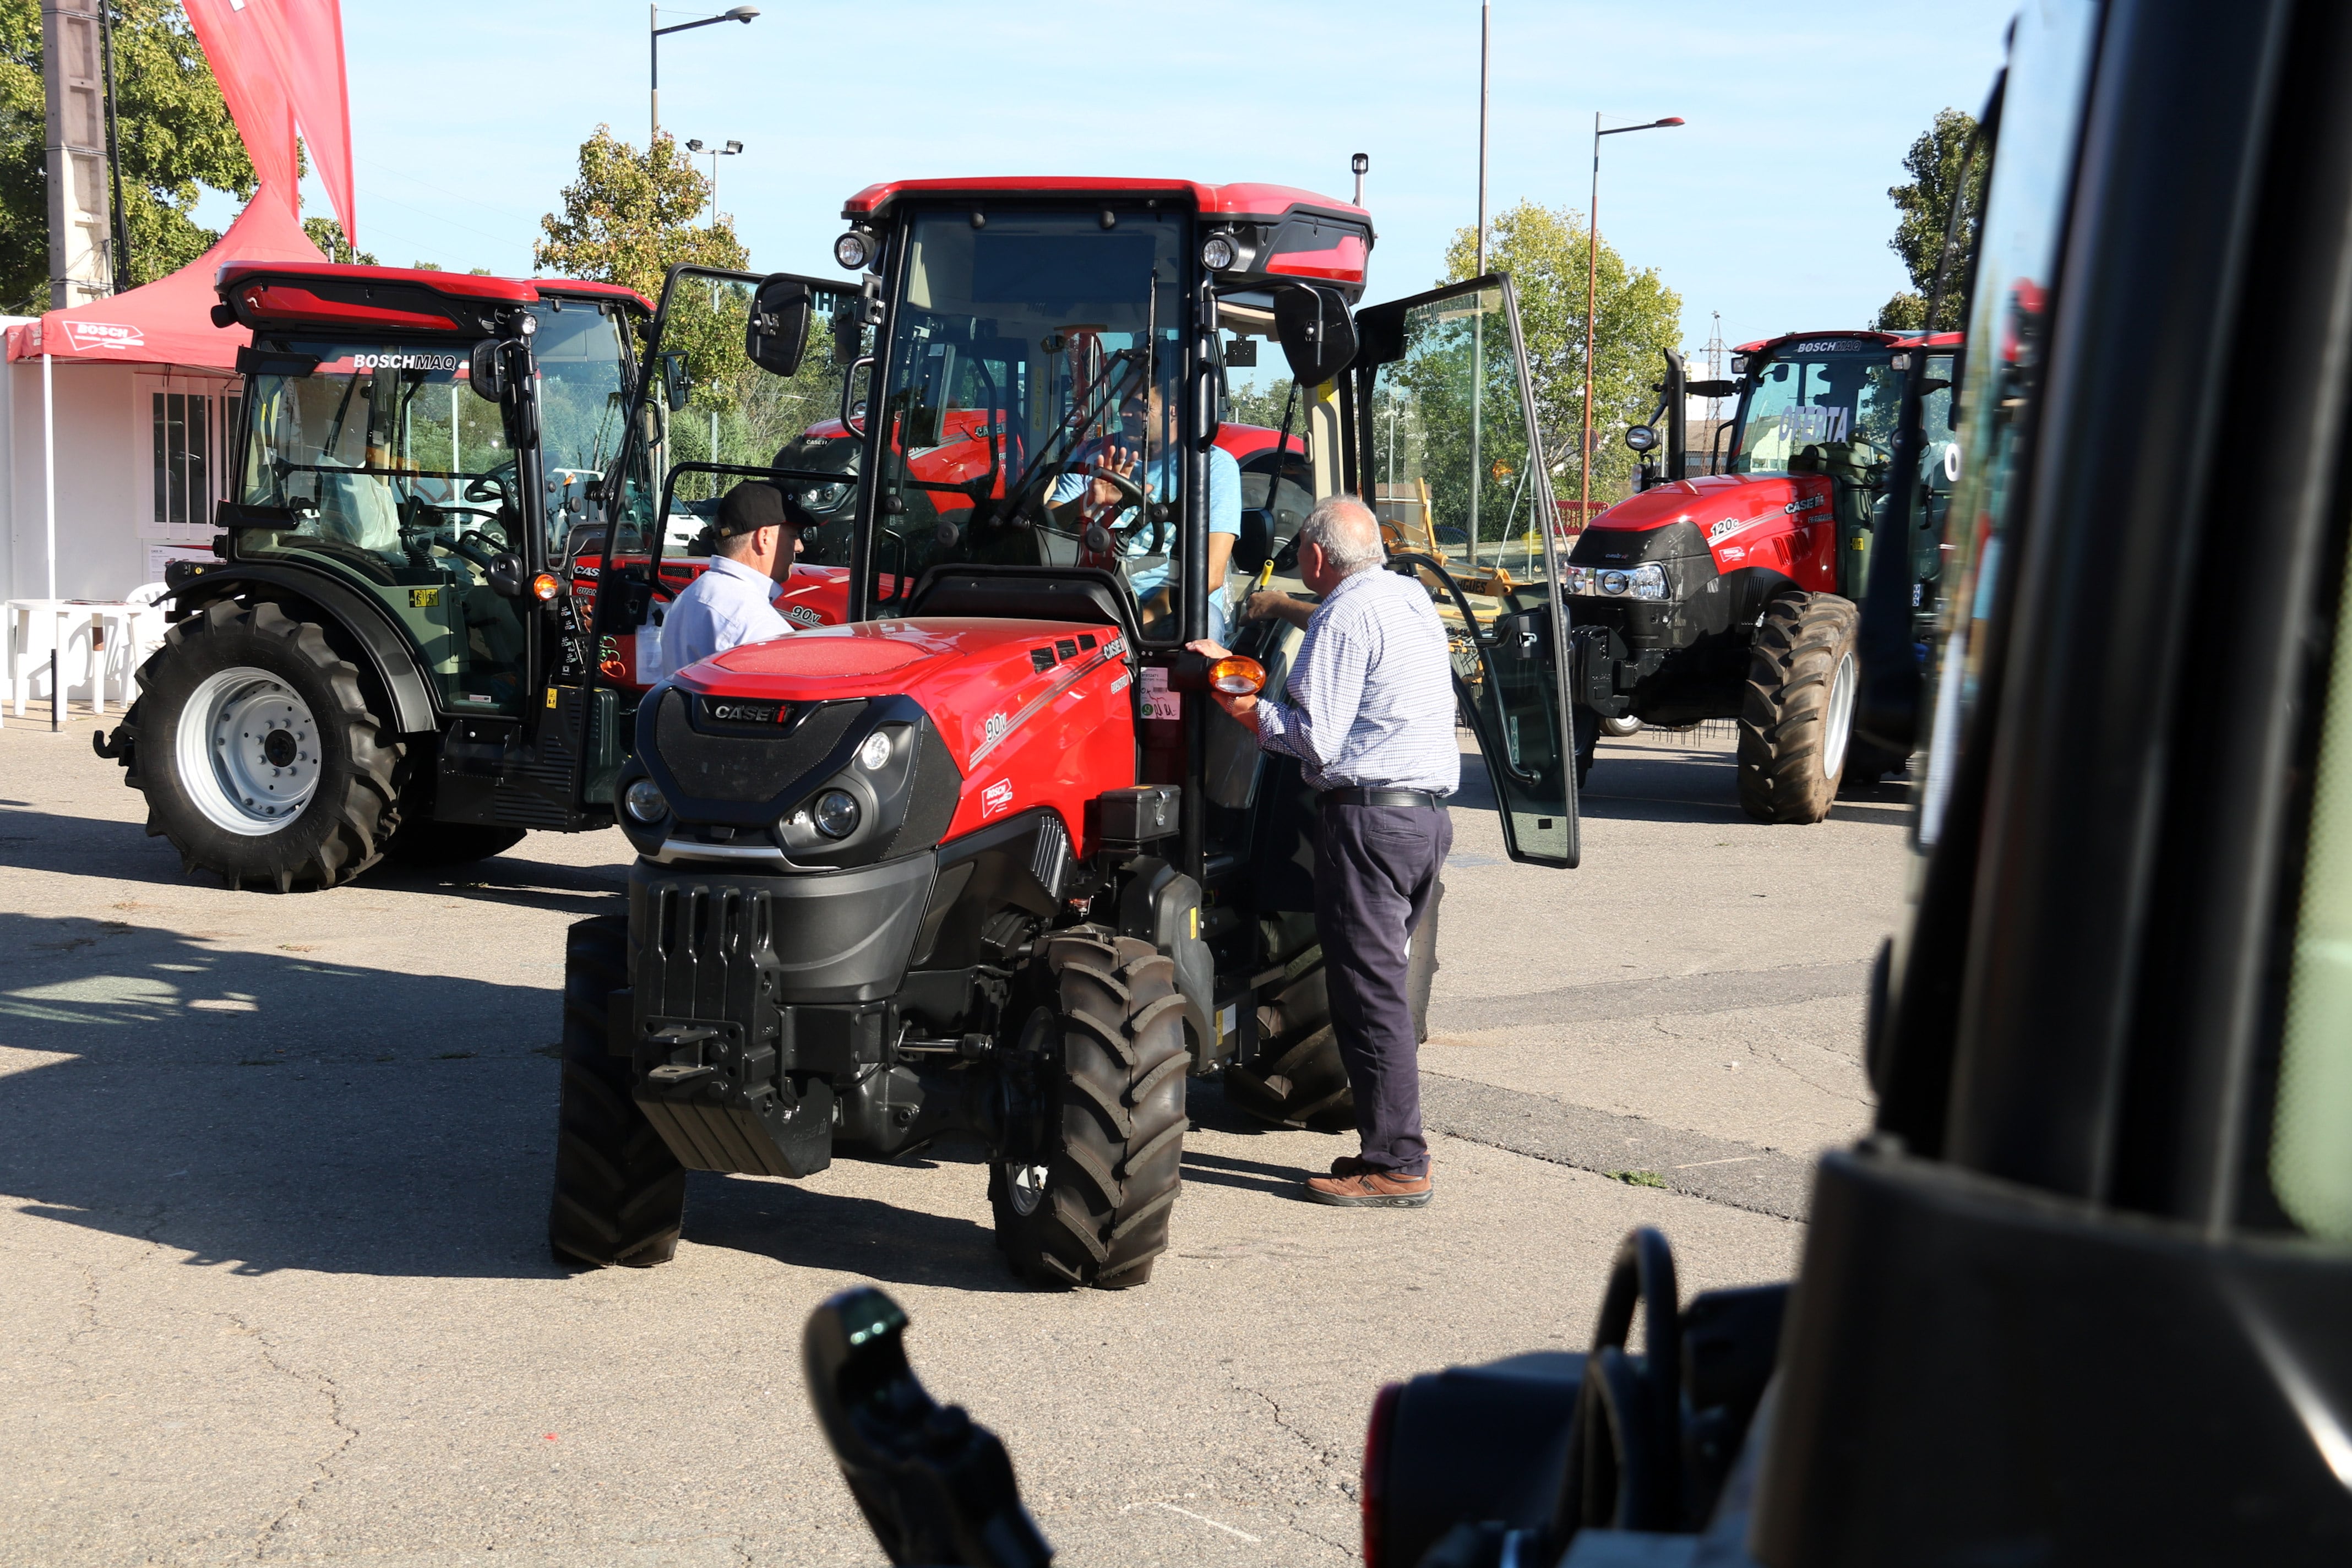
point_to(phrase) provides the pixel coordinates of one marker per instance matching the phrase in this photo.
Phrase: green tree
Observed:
(328, 235)
(1543, 250)
(1925, 207)
(176, 140)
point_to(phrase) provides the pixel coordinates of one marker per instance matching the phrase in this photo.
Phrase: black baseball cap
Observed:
(755, 504)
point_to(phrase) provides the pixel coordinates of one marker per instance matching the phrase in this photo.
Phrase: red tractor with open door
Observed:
(983, 860)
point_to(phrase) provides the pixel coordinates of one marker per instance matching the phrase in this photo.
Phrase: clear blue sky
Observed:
(1769, 207)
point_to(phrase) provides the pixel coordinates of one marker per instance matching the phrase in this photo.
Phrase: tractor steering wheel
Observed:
(478, 548)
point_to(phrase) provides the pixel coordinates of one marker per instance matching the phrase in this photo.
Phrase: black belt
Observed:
(1409, 798)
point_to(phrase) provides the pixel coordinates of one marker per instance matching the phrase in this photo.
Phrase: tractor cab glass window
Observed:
(1024, 414)
(388, 470)
(1819, 393)
(583, 352)
(2025, 210)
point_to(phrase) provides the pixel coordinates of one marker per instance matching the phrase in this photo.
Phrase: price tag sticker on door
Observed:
(1159, 702)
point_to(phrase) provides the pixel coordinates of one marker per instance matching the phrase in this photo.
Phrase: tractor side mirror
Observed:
(848, 333)
(1318, 335)
(506, 575)
(1712, 388)
(1641, 437)
(676, 388)
(777, 332)
(485, 374)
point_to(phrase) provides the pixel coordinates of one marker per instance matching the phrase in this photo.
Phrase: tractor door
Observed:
(1446, 454)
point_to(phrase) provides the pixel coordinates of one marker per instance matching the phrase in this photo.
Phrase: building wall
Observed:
(109, 540)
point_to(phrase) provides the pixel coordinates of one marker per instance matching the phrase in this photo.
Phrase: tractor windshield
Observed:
(1818, 390)
(1026, 408)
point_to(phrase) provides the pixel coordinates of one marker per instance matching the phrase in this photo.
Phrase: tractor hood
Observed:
(979, 680)
(1699, 516)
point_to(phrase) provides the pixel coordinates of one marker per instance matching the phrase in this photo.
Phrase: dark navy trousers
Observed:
(1375, 873)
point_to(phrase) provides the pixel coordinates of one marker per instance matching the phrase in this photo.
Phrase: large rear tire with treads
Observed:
(1089, 1203)
(620, 1194)
(1297, 1079)
(255, 746)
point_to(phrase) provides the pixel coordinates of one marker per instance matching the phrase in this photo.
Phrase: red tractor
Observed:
(984, 861)
(1732, 594)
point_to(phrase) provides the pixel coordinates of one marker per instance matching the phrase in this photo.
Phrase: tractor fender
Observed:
(371, 627)
(1162, 906)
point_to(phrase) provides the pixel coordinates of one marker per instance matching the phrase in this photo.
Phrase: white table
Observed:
(36, 627)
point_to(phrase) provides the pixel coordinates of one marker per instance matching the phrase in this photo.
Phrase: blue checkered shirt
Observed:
(1369, 702)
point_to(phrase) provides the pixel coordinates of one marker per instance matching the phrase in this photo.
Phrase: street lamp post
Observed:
(1591, 300)
(742, 13)
(714, 155)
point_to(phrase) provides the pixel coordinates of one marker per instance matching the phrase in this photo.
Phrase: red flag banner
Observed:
(305, 43)
(252, 87)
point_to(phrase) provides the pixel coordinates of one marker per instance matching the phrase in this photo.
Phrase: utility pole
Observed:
(73, 57)
(124, 277)
(1485, 12)
(655, 32)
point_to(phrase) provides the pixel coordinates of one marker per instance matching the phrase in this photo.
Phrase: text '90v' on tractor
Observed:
(983, 860)
(1732, 594)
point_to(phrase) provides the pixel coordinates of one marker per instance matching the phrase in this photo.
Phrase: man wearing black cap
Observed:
(752, 547)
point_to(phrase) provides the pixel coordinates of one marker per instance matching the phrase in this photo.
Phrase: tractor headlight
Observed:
(854, 249)
(1644, 582)
(1218, 252)
(836, 814)
(874, 754)
(642, 801)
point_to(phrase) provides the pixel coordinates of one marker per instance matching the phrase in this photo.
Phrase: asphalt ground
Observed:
(273, 1188)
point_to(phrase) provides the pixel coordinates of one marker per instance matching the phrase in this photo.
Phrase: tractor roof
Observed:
(324, 293)
(1890, 340)
(1303, 234)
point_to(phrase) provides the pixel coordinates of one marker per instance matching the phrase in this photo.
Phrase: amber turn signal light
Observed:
(544, 586)
(1236, 675)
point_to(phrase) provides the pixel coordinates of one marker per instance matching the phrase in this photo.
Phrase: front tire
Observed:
(424, 842)
(1797, 715)
(620, 1194)
(253, 742)
(1090, 1206)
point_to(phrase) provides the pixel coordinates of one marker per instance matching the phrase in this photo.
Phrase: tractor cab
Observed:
(985, 859)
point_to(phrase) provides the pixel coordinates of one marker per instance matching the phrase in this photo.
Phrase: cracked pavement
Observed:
(273, 1187)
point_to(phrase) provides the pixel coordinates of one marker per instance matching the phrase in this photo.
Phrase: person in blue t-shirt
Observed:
(1152, 547)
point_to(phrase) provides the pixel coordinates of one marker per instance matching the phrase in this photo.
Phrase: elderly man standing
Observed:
(1370, 718)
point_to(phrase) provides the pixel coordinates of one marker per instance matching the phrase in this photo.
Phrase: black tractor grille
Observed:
(747, 762)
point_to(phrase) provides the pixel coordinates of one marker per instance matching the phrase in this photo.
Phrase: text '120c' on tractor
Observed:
(1733, 594)
(984, 860)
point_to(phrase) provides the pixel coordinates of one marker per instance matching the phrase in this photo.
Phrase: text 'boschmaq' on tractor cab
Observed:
(984, 859)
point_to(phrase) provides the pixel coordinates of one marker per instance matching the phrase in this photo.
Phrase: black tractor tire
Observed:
(1796, 716)
(423, 842)
(1298, 1079)
(256, 663)
(1095, 1213)
(620, 1194)
(1866, 764)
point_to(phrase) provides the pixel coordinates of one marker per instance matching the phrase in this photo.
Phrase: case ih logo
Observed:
(996, 797)
(80, 335)
(738, 712)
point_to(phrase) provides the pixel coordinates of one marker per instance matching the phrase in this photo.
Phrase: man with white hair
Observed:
(1370, 716)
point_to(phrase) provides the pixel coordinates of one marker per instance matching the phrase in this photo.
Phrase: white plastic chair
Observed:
(132, 632)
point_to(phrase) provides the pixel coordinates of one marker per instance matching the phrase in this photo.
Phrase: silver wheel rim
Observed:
(1839, 723)
(1025, 1185)
(248, 751)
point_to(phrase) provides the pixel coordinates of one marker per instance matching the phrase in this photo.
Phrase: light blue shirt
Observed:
(725, 606)
(1370, 696)
(1225, 517)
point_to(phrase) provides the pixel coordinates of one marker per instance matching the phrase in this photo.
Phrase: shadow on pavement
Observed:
(263, 1111)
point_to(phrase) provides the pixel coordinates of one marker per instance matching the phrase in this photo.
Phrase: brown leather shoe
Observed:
(1370, 1190)
(1353, 1165)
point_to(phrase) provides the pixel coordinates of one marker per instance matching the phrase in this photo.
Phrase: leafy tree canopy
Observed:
(1543, 249)
(1925, 209)
(176, 139)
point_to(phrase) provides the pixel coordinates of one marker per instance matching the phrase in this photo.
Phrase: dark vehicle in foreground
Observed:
(2082, 1297)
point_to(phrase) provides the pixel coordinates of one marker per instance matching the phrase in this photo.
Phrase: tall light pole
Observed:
(742, 13)
(714, 155)
(1591, 300)
(1485, 14)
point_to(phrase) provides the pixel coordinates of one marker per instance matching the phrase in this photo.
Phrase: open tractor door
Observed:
(984, 859)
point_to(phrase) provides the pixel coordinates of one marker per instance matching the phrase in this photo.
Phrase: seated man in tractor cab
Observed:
(1151, 547)
(752, 543)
